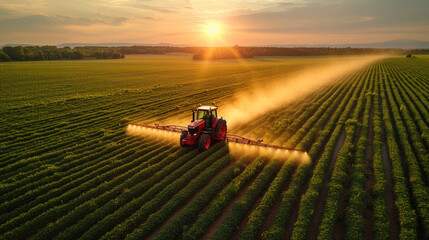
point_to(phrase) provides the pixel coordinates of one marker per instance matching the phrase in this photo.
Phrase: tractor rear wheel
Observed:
(221, 129)
(204, 142)
(184, 134)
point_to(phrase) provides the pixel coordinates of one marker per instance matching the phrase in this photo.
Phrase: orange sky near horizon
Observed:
(244, 22)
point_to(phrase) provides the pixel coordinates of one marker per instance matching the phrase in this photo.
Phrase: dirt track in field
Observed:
(212, 229)
(320, 205)
(274, 209)
(369, 172)
(392, 212)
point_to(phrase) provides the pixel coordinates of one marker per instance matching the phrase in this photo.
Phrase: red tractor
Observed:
(205, 128)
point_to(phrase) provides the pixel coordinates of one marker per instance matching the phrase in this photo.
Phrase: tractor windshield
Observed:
(201, 114)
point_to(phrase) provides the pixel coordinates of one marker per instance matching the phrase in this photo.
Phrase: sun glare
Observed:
(213, 29)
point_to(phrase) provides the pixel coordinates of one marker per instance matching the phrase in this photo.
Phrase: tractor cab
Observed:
(206, 113)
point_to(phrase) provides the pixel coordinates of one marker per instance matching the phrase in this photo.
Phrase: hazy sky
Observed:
(245, 22)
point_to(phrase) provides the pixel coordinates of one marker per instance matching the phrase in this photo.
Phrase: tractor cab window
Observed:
(214, 113)
(201, 114)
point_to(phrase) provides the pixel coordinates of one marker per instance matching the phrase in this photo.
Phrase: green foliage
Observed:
(116, 55)
(242, 206)
(77, 54)
(215, 208)
(308, 201)
(4, 57)
(69, 169)
(15, 53)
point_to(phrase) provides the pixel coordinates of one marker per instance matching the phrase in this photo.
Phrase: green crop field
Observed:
(70, 170)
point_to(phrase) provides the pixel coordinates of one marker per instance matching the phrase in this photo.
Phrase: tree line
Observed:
(249, 52)
(35, 53)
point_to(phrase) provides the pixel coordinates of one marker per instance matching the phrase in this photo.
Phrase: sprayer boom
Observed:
(170, 128)
(227, 137)
(243, 140)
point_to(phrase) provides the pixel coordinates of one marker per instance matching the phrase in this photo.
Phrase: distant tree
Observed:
(66, 52)
(96, 54)
(40, 55)
(77, 54)
(116, 55)
(28, 54)
(4, 57)
(15, 53)
(409, 55)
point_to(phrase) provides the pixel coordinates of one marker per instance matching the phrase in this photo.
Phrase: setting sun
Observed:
(213, 29)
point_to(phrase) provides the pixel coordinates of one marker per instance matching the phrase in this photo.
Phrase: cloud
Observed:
(42, 22)
(119, 21)
(6, 12)
(339, 17)
(153, 8)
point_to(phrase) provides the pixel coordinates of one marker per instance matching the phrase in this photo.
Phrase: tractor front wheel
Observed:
(204, 142)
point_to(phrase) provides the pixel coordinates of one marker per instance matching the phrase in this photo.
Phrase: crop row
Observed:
(76, 164)
(54, 189)
(56, 207)
(258, 215)
(308, 200)
(313, 109)
(340, 173)
(418, 188)
(138, 182)
(32, 164)
(411, 122)
(114, 210)
(59, 156)
(321, 114)
(354, 215)
(174, 228)
(243, 205)
(214, 210)
(177, 201)
(54, 172)
(286, 129)
(381, 220)
(407, 215)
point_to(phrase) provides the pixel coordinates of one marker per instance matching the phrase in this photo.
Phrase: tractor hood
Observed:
(196, 123)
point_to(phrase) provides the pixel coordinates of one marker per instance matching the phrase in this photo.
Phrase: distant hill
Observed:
(14, 45)
(399, 44)
(72, 45)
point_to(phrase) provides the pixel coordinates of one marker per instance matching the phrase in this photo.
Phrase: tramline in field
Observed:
(205, 128)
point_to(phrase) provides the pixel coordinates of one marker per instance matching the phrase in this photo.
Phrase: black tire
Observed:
(202, 142)
(184, 134)
(219, 124)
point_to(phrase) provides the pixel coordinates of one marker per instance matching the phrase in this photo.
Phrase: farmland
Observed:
(70, 170)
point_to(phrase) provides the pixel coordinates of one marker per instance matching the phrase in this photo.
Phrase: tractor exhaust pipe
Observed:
(193, 115)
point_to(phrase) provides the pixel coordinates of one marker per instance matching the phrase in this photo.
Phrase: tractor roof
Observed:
(207, 108)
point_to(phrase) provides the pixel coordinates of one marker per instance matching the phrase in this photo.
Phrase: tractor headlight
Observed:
(193, 130)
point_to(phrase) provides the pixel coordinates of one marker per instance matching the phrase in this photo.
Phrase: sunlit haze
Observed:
(213, 29)
(197, 22)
